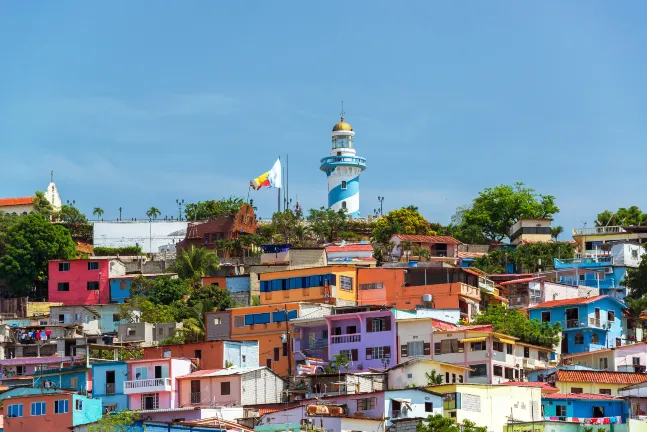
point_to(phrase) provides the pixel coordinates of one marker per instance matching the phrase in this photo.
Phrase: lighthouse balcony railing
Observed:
(343, 160)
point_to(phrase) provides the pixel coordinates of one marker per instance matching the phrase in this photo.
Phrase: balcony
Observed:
(196, 398)
(147, 386)
(587, 262)
(110, 389)
(348, 338)
(332, 162)
(529, 363)
(573, 323)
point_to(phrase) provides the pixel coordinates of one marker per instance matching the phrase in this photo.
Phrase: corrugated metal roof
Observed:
(222, 372)
(567, 302)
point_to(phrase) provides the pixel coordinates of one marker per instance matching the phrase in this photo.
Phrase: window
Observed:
(197, 354)
(635, 361)
(498, 371)
(277, 353)
(447, 377)
(38, 408)
(453, 378)
(64, 267)
(545, 316)
(479, 346)
(605, 392)
(93, 265)
(429, 407)
(217, 321)
(508, 349)
(20, 370)
(577, 390)
(579, 338)
(116, 317)
(478, 370)
(509, 373)
(93, 286)
(351, 330)
(595, 338)
(160, 331)
(343, 185)
(365, 404)
(448, 346)
(61, 406)
(604, 363)
(379, 324)
(63, 286)
(123, 285)
(79, 405)
(560, 410)
(130, 331)
(239, 322)
(415, 349)
(346, 283)
(225, 388)
(611, 316)
(61, 318)
(451, 401)
(410, 376)
(526, 352)
(74, 382)
(284, 348)
(371, 286)
(598, 411)
(343, 205)
(150, 401)
(14, 410)
(542, 356)
(497, 346)
(268, 363)
(376, 353)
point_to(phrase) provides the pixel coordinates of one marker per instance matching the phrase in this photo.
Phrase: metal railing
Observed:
(110, 388)
(334, 160)
(155, 382)
(584, 260)
(195, 398)
(598, 230)
(350, 338)
(572, 323)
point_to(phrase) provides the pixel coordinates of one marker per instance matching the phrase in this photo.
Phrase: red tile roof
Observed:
(567, 302)
(442, 325)
(427, 239)
(8, 202)
(479, 327)
(587, 396)
(471, 254)
(601, 377)
(350, 248)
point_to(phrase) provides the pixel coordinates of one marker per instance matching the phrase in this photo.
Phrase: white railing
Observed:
(349, 338)
(147, 383)
(598, 230)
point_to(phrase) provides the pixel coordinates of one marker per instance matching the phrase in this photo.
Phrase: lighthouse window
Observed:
(343, 185)
(343, 205)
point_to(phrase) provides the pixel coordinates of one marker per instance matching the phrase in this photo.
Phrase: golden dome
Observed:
(342, 126)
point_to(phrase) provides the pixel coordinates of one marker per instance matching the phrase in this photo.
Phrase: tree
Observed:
(528, 258)
(406, 220)
(194, 263)
(98, 212)
(496, 209)
(285, 223)
(623, 216)
(434, 378)
(635, 280)
(327, 224)
(340, 361)
(163, 290)
(556, 231)
(215, 298)
(71, 214)
(121, 421)
(27, 246)
(636, 308)
(141, 309)
(460, 230)
(514, 323)
(42, 206)
(211, 209)
(153, 212)
(440, 423)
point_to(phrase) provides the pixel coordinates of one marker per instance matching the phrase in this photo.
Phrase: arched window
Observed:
(594, 338)
(343, 205)
(579, 339)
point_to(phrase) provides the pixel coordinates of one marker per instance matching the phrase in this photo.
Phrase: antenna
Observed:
(342, 111)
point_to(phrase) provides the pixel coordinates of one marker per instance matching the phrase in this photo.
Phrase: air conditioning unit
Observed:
(608, 270)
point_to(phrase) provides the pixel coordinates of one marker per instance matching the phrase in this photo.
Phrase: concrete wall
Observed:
(149, 235)
(218, 325)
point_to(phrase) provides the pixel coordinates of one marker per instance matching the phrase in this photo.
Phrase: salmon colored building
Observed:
(336, 285)
(211, 354)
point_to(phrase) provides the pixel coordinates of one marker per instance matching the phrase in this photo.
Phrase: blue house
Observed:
(120, 285)
(588, 324)
(75, 378)
(108, 385)
(564, 407)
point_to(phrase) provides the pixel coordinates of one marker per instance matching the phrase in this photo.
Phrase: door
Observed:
(141, 373)
(110, 382)
(564, 344)
(158, 372)
(195, 391)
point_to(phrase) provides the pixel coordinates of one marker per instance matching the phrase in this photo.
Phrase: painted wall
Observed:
(149, 235)
(584, 407)
(48, 422)
(414, 374)
(171, 368)
(589, 387)
(213, 355)
(237, 283)
(210, 391)
(78, 277)
(79, 379)
(85, 410)
(413, 332)
(99, 384)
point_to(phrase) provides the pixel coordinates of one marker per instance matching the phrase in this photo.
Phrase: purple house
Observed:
(366, 338)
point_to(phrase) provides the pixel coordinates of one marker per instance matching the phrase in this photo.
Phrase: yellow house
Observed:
(596, 382)
(414, 373)
(488, 405)
(336, 285)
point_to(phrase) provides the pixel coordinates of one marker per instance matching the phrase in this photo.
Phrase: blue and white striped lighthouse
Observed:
(343, 168)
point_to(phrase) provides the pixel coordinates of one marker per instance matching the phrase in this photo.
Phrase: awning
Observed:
(475, 339)
(508, 341)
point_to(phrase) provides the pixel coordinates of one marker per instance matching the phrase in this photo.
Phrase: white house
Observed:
(413, 373)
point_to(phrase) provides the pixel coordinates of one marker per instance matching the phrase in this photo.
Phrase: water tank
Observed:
(413, 264)
(427, 298)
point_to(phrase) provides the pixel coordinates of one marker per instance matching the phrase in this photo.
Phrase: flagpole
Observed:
(278, 196)
(287, 179)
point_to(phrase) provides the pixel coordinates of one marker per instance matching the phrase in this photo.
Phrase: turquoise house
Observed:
(588, 324)
(560, 407)
(108, 385)
(75, 378)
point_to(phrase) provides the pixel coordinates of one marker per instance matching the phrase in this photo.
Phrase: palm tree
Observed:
(98, 212)
(194, 263)
(420, 252)
(153, 212)
(635, 310)
(556, 231)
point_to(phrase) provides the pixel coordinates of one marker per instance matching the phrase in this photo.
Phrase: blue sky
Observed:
(135, 104)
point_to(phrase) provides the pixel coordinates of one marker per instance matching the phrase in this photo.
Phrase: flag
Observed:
(272, 178)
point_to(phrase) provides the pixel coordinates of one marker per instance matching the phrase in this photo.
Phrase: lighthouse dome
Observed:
(342, 126)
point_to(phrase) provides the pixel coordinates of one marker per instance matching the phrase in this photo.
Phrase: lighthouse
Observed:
(343, 168)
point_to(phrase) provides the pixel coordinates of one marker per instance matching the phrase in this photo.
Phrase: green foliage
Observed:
(624, 217)
(173, 340)
(122, 251)
(556, 231)
(406, 220)
(496, 209)
(587, 429)
(460, 230)
(228, 364)
(256, 301)
(434, 378)
(41, 206)
(440, 423)
(327, 224)
(153, 212)
(28, 243)
(217, 298)
(194, 263)
(284, 224)
(513, 323)
(162, 290)
(525, 256)
(122, 354)
(115, 422)
(636, 280)
(70, 214)
(140, 308)
(79, 231)
(203, 210)
(339, 362)
(98, 212)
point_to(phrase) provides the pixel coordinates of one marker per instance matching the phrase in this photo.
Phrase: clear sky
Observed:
(137, 103)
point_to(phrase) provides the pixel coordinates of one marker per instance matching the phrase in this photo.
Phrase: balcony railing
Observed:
(594, 322)
(332, 161)
(573, 323)
(147, 385)
(349, 338)
(598, 230)
(110, 388)
(196, 398)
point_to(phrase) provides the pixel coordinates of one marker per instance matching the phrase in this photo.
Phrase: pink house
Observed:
(151, 384)
(83, 281)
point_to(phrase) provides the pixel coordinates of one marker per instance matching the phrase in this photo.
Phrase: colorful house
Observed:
(366, 339)
(636, 397)
(584, 408)
(360, 254)
(77, 378)
(413, 373)
(588, 324)
(626, 358)
(152, 384)
(52, 412)
(95, 319)
(108, 384)
(210, 355)
(20, 367)
(336, 285)
(594, 382)
(120, 285)
(235, 387)
(82, 281)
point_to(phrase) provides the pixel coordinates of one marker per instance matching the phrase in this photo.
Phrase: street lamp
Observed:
(71, 203)
(120, 209)
(381, 200)
(180, 203)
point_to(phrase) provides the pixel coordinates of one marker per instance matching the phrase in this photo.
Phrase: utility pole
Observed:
(287, 338)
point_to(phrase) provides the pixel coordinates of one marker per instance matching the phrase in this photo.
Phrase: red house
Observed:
(82, 281)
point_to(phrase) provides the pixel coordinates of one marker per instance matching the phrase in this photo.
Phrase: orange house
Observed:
(266, 324)
(400, 288)
(335, 285)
